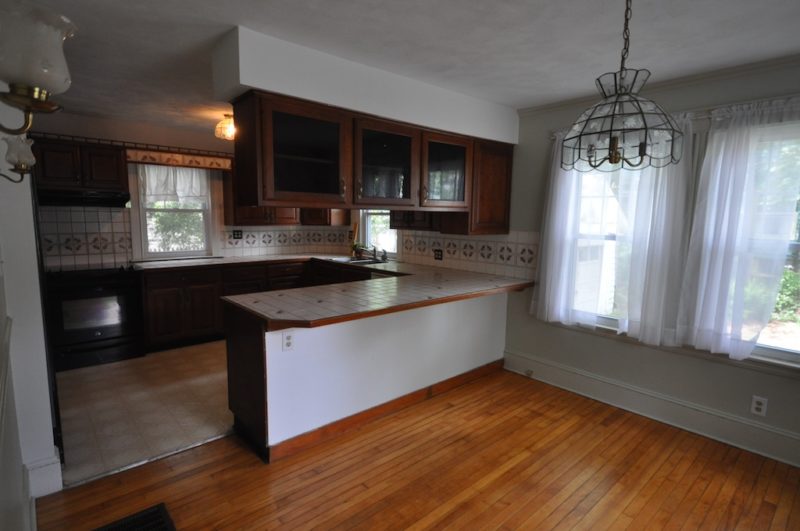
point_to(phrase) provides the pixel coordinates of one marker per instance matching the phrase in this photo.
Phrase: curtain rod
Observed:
(700, 113)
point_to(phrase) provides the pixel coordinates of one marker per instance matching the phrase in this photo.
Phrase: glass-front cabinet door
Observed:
(307, 153)
(386, 163)
(446, 171)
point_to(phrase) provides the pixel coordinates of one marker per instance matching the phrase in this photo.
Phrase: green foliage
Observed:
(175, 231)
(787, 306)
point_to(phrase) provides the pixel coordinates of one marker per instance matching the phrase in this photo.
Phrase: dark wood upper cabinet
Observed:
(324, 216)
(104, 167)
(58, 165)
(65, 169)
(253, 215)
(306, 152)
(490, 205)
(386, 163)
(446, 171)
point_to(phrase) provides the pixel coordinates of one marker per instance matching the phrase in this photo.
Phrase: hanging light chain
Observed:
(626, 35)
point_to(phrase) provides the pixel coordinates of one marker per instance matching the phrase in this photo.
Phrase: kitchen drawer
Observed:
(240, 287)
(285, 282)
(238, 273)
(176, 277)
(286, 270)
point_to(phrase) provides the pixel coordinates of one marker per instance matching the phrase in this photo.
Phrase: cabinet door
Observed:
(202, 313)
(163, 314)
(307, 153)
(446, 171)
(324, 216)
(57, 165)
(491, 188)
(386, 163)
(104, 168)
(286, 216)
(414, 220)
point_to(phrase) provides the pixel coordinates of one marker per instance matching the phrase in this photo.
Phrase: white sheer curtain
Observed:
(173, 183)
(743, 222)
(612, 246)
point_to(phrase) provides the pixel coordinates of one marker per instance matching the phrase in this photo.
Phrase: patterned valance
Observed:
(178, 159)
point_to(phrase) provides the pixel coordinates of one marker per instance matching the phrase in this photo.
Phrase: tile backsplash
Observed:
(512, 255)
(257, 241)
(85, 237)
(100, 238)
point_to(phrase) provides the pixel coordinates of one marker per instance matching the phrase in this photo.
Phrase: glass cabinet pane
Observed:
(386, 165)
(446, 172)
(306, 153)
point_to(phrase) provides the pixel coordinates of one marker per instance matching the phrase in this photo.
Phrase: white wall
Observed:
(246, 59)
(704, 393)
(15, 502)
(336, 371)
(28, 359)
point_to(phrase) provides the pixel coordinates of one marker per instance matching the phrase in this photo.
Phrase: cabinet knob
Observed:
(342, 188)
(360, 188)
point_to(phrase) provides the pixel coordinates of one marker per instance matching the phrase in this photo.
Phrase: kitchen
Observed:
(221, 270)
(123, 230)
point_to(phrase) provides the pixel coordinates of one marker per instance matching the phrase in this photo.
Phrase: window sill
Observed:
(758, 362)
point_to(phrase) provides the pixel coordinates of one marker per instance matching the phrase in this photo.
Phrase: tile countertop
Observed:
(419, 286)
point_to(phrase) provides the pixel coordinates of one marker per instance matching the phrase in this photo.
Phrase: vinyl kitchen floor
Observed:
(120, 414)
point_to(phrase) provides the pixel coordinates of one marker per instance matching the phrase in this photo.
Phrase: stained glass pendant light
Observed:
(623, 130)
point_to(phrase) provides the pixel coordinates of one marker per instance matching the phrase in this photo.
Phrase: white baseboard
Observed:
(43, 476)
(757, 437)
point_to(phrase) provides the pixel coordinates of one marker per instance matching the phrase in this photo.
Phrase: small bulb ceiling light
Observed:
(225, 129)
(623, 130)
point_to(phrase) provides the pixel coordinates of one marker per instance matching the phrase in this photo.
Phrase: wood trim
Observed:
(455, 140)
(271, 325)
(383, 126)
(334, 429)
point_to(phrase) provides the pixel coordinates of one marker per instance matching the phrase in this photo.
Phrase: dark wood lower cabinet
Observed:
(181, 305)
(184, 305)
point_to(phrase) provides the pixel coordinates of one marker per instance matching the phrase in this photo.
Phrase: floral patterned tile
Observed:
(486, 251)
(505, 253)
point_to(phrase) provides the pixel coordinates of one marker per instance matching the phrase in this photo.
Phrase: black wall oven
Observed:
(93, 317)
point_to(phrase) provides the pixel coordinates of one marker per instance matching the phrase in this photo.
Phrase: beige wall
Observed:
(705, 393)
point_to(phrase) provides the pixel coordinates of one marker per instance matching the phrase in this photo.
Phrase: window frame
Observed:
(141, 243)
(363, 216)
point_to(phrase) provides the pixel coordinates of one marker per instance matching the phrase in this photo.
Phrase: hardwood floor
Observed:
(504, 452)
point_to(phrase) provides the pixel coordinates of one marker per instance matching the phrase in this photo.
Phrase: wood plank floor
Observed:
(504, 452)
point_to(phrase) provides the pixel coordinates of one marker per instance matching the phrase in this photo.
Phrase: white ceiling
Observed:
(149, 60)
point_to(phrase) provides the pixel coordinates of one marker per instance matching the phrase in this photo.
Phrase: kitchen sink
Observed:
(365, 261)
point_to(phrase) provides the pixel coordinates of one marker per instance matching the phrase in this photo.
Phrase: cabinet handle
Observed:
(424, 193)
(342, 188)
(360, 188)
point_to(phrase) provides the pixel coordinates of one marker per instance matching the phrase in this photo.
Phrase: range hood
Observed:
(106, 198)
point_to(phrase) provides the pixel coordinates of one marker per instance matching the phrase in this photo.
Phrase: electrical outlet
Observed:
(759, 406)
(437, 254)
(288, 341)
(237, 235)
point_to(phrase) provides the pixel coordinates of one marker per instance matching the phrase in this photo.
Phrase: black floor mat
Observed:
(156, 518)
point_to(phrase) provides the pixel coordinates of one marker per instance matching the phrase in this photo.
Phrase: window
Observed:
(615, 249)
(778, 180)
(174, 208)
(376, 232)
